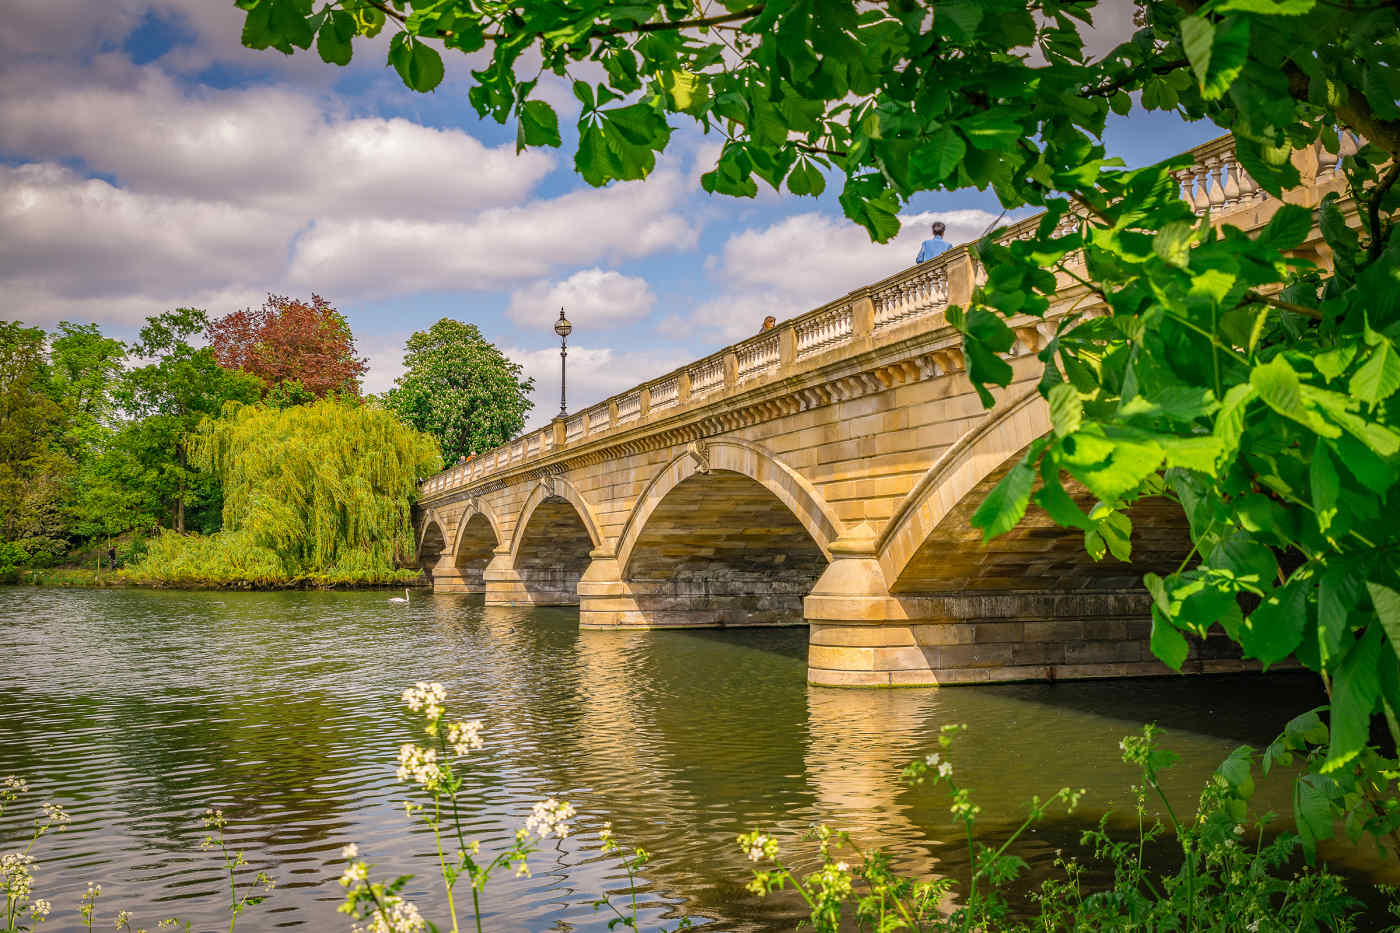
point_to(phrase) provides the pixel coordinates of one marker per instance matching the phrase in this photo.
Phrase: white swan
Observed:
(400, 599)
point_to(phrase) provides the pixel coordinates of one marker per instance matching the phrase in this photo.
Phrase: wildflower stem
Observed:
(442, 859)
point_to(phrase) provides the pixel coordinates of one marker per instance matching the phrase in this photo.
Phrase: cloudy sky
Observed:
(149, 161)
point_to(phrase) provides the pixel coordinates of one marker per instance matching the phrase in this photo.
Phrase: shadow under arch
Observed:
(473, 546)
(724, 535)
(432, 542)
(550, 548)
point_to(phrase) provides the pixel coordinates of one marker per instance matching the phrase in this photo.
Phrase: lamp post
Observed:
(562, 327)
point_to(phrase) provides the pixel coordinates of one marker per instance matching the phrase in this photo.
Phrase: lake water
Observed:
(138, 709)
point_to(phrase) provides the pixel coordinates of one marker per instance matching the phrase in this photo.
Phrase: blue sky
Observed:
(148, 161)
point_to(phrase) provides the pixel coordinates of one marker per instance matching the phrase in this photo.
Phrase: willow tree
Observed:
(326, 487)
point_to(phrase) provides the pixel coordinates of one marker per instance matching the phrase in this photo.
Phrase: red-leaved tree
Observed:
(290, 341)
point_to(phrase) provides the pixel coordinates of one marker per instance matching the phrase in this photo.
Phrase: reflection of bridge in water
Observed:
(826, 471)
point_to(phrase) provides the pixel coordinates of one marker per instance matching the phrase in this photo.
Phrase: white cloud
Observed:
(595, 373)
(70, 239)
(591, 297)
(805, 261)
(496, 247)
(212, 194)
(269, 146)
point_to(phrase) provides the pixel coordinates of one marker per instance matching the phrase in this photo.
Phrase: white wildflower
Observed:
(464, 737)
(16, 875)
(418, 765)
(55, 816)
(40, 910)
(350, 851)
(402, 917)
(550, 818)
(123, 919)
(931, 759)
(356, 873)
(214, 819)
(427, 698)
(758, 846)
(945, 770)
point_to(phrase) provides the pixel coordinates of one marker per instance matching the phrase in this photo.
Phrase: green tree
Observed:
(1231, 375)
(86, 369)
(461, 389)
(165, 401)
(319, 491)
(33, 467)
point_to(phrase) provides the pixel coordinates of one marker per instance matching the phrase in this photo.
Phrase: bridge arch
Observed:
(432, 543)
(734, 456)
(551, 544)
(551, 489)
(979, 454)
(725, 534)
(474, 544)
(930, 546)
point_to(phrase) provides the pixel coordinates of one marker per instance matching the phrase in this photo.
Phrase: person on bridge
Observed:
(934, 245)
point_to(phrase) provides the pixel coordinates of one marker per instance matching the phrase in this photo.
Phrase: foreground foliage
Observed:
(318, 492)
(1234, 873)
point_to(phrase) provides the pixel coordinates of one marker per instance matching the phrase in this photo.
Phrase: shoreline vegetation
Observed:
(122, 578)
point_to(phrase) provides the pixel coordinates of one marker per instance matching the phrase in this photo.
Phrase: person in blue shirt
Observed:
(935, 245)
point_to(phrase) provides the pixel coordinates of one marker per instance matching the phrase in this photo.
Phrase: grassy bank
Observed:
(97, 579)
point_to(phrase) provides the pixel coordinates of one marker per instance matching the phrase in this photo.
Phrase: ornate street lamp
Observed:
(562, 327)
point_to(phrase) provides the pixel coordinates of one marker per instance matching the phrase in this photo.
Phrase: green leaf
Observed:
(1356, 686)
(1238, 771)
(1287, 229)
(333, 41)
(1279, 387)
(878, 214)
(1274, 630)
(539, 125)
(1338, 592)
(1173, 243)
(1326, 485)
(1229, 421)
(418, 64)
(1387, 603)
(937, 158)
(1168, 644)
(992, 130)
(1111, 465)
(1217, 52)
(1379, 376)
(1066, 409)
(1055, 501)
(806, 179)
(1312, 812)
(1006, 503)
(1266, 7)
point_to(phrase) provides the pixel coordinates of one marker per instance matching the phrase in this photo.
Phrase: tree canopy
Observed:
(461, 389)
(1233, 375)
(300, 349)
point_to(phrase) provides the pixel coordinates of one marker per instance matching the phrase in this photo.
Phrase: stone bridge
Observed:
(823, 473)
